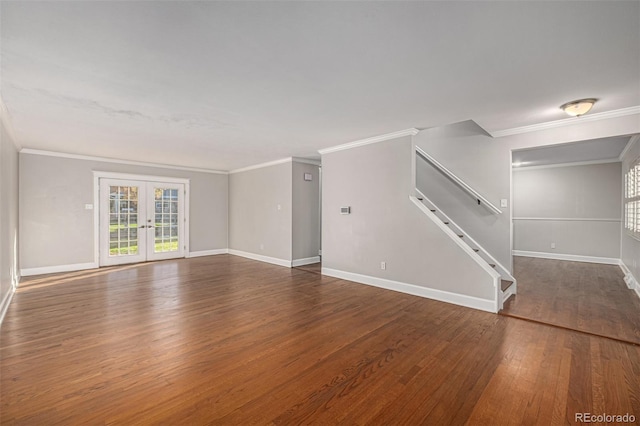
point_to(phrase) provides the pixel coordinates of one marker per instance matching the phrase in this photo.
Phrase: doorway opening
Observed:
(140, 219)
(566, 239)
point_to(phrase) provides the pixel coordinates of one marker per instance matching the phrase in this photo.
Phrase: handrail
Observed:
(455, 179)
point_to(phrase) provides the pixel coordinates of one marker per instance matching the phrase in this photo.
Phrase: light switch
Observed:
(503, 202)
(88, 206)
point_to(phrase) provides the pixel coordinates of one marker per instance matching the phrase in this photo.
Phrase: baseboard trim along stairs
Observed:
(506, 285)
(429, 293)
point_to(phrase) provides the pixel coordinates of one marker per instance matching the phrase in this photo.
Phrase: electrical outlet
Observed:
(383, 265)
(261, 246)
(553, 245)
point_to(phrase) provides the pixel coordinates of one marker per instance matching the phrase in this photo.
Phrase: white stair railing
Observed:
(471, 247)
(455, 179)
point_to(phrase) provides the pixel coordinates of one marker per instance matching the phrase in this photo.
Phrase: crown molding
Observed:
(262, 165)
(117, 161)
(276, 162)
(368, 141)
(567, 122)
(307, 161)
(574, 163)
(6, 120)
(632, 141)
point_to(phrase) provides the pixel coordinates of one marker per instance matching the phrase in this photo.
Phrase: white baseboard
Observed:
(6, 301)
(627, 273)
(261, 258)
(570, 257)
(59, 268)
(207, 252)
(629, 279)
(305, 261)
(429, 293)
(632, 283)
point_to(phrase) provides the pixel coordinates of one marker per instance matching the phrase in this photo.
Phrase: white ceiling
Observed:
(223, 85)
(586, 151)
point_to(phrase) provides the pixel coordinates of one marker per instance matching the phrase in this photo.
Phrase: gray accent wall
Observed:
(630, 247)
(260, 211)
(306, 211)
(385, 226)
(9, 267)
(577, 208)
(55, 228)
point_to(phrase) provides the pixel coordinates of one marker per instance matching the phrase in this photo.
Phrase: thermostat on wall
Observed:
(345, 210)
(308, 177)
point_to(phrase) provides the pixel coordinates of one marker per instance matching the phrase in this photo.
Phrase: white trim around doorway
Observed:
(97, 175)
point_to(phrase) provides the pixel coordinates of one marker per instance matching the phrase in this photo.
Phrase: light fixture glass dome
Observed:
(579, 107)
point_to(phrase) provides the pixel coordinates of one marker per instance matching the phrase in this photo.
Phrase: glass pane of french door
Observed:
(122, 230)
(123, 220)
(166, 202)
(166, 220)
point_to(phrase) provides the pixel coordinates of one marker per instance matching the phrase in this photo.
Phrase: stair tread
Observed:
(505, 284)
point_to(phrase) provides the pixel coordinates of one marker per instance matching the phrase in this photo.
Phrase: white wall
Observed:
(260, 212)
(56, 230)
(306, 211)
(9, 273)
(384, 225)
(630, 247)
(575, 207)
(485, 162)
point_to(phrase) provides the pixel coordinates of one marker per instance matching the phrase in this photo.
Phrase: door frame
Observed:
(97, 175)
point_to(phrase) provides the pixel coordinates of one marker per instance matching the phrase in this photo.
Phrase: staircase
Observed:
(504, 282)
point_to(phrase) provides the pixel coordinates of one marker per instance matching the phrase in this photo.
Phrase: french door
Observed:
(140, 221)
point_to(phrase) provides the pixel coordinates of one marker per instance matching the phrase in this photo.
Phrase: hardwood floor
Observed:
(227, 340)
(313, 267)
(587, 297)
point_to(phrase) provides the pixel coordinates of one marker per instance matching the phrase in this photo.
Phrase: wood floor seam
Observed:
(509, 315)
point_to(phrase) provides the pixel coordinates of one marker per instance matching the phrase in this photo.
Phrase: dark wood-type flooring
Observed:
(227, 340)
(588, 297)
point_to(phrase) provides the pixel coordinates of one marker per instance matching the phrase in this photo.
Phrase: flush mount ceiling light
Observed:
(579, 107)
